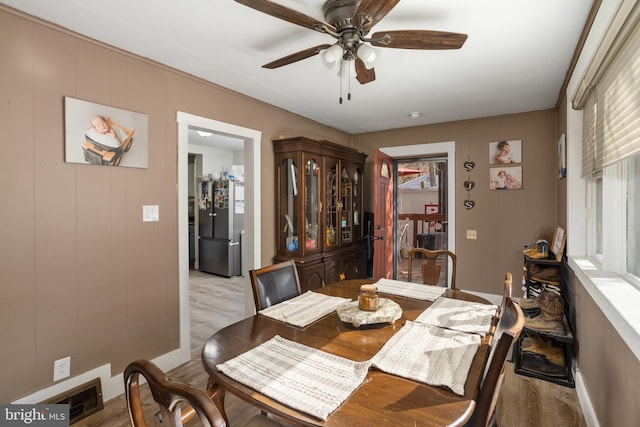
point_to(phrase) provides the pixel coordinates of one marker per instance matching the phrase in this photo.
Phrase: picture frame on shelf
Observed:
(559, 240)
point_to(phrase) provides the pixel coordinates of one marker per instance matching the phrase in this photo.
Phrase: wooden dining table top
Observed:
(382, 399)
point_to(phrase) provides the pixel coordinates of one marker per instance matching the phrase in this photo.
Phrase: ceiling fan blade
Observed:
(295, 57)
(364, 75)
(419, 39)
(370, 12)
(286, 14)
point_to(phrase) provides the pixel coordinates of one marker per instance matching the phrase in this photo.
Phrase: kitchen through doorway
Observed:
(216, 227)
(249, 140)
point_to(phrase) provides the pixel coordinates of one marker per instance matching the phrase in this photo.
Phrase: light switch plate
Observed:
(150, 213)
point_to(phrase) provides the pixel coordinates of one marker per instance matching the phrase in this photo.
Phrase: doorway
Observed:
(421, 202)
(443, 150)
(252, 241)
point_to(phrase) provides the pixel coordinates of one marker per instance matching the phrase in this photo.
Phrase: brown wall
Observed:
(80, 274)
(505, 220)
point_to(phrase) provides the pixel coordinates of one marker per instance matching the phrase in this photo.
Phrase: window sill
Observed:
(618, 299)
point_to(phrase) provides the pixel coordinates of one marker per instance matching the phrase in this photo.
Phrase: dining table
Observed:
(381, 399)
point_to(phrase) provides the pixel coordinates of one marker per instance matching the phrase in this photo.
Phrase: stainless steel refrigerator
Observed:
(221, 229)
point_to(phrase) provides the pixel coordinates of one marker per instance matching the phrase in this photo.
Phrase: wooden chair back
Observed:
(274, 284)
(506, 296)
(507, 332)
(170, 396)
(430, 268)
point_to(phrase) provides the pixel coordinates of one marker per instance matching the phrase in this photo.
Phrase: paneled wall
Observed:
(80, 274)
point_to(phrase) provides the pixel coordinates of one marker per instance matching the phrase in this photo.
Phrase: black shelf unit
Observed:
(533, 364)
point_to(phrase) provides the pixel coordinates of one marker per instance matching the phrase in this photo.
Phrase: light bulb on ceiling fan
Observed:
(369, 55)
(333, 54)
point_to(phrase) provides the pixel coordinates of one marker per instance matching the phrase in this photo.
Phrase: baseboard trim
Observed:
(111, 386)
(585, 402)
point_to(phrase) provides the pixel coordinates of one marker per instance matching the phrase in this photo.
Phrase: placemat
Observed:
(304, 309)
(299, 376)
(410, 290)
(464, 316)
(432, 355)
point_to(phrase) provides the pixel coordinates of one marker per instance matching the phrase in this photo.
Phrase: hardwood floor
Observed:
(216, 302)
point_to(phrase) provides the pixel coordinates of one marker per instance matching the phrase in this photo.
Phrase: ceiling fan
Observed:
(349, 22)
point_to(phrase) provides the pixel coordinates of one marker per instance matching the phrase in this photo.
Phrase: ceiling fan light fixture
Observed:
(368, 54)
(333, 54)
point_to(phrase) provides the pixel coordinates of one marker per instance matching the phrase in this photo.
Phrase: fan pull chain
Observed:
(340, 75)
(349, 84)
(348, 77)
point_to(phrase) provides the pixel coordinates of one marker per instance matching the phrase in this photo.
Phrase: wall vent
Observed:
(83, 400)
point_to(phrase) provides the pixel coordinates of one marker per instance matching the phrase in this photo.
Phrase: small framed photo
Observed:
(101, 135)
(505, 152)
(559, 240)
(505, 178)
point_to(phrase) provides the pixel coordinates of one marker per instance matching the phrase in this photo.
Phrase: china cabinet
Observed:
(319, 210)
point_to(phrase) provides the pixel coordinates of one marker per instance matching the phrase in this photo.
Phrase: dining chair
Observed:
(507, 332)
(431, 269)
(274, 284)
(506, 296)
(178, 401)
(170, 396)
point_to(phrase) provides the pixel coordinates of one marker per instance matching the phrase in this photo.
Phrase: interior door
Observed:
(383, 216)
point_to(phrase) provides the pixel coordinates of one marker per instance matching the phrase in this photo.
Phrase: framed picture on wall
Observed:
(562, 157)
(505, 152)
(505, 178)
(102, 135)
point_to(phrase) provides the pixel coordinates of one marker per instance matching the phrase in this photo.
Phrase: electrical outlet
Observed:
(472, 234)
(61, 368)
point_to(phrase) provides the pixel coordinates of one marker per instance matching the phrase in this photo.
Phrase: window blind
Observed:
(619, 100)
(589, 135)
(611, 115)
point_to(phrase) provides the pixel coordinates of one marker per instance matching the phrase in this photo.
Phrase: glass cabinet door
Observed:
(312, 225)
(332, 201)
(358, 232)
(288, 219)
(346, 207)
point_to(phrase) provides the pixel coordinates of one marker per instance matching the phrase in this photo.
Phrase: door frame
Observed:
(253, 231)
(448, 150)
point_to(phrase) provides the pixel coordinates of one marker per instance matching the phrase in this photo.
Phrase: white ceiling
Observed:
(514, 60)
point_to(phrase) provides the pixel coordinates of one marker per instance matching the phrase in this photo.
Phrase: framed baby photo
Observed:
(98, 134)
(505, 178)
(505, 152)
